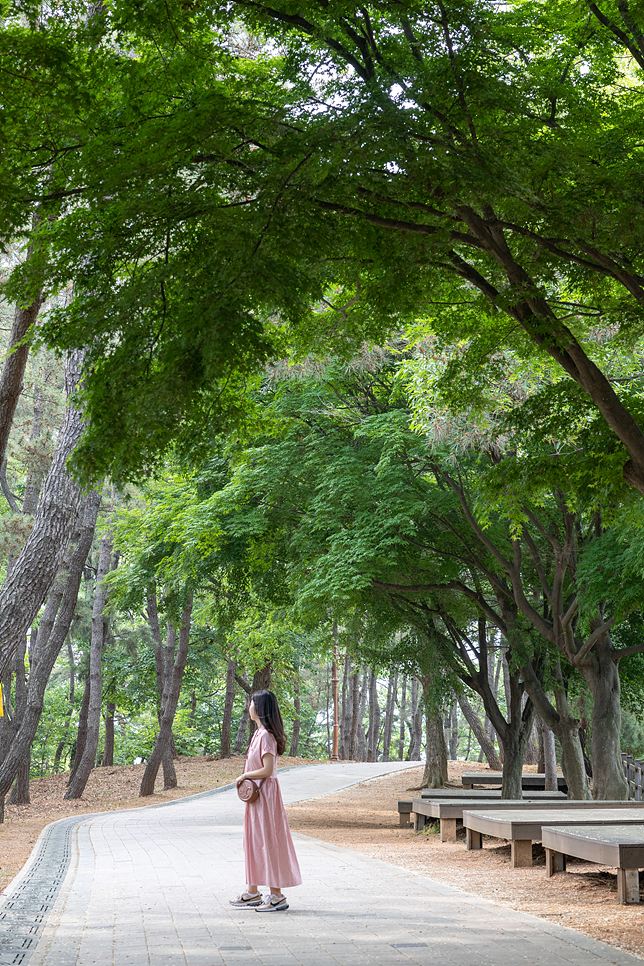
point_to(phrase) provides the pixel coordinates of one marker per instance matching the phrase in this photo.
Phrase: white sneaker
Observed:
(272, 904)
(245, 899)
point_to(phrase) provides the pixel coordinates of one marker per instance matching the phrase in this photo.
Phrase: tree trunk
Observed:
(99, 631)
(474, 722)
(453, 738)
(229, 701)
(515, 737)
(81, 732)
(435, 774)
(68, 714)
(344, 715)
(13, 369)
(20, 791)
(416, 724)
(295, 735)
(549, 759)
(108, 750)
(240, 739)
(355, 715)
(374, 719)
(392, 687)
(403, 708)
(602, 676)
(170, 705)
(361, 737)
(33, 574)
(61, 605)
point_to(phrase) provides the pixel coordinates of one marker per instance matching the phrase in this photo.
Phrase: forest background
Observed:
(324, 332)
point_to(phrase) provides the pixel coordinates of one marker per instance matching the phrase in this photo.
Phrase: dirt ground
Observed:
(365, 818)
(108, 788)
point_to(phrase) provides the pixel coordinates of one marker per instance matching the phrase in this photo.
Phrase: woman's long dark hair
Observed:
(268, 712)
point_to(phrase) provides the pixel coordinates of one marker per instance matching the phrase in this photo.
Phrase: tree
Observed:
(442, 158)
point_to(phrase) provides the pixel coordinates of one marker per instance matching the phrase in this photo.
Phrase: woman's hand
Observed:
(239, 780)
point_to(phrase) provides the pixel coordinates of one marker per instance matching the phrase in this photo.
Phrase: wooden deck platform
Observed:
(619, 846)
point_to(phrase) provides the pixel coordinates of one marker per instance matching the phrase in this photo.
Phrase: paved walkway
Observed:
(150, 887)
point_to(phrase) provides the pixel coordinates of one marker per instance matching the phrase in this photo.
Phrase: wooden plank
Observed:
(528, 780)
(454, 808)
(485, 794)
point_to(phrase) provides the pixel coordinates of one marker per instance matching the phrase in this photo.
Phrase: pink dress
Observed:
(268, 846)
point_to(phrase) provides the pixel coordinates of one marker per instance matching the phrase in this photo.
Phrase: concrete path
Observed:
(150, 887)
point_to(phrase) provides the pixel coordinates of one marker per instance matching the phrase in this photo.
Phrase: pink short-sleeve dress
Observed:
(268, 846)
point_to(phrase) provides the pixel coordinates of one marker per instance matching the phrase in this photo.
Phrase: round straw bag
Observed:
(248, 790)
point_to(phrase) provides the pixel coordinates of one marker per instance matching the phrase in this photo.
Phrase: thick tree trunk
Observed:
(20, 791)
(240, 739)
(295, 735)
(108, 749)
(515, 736)
(480, 734)
(229, 701)
(99, 630)
(403, 708)
(170, 705)
(435, 774)
(392, 687)
(52, 631)
(33, 574)
(374, 719)
(602, 676)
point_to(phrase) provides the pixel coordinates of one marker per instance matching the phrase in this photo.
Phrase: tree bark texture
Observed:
(52, 632)
(602, 676)
(229, 701)
(435, 774)
(99, 630)
(170, 704)
(25, 589)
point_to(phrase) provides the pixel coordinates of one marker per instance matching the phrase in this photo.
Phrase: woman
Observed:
(268, 846)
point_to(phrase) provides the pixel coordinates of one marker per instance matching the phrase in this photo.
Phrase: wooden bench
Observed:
(450, 811)
(530, 781)
(484, 795)
(621, 847)
(523, 828)
(405, 816)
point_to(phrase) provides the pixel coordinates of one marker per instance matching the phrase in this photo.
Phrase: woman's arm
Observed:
(264, 772)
